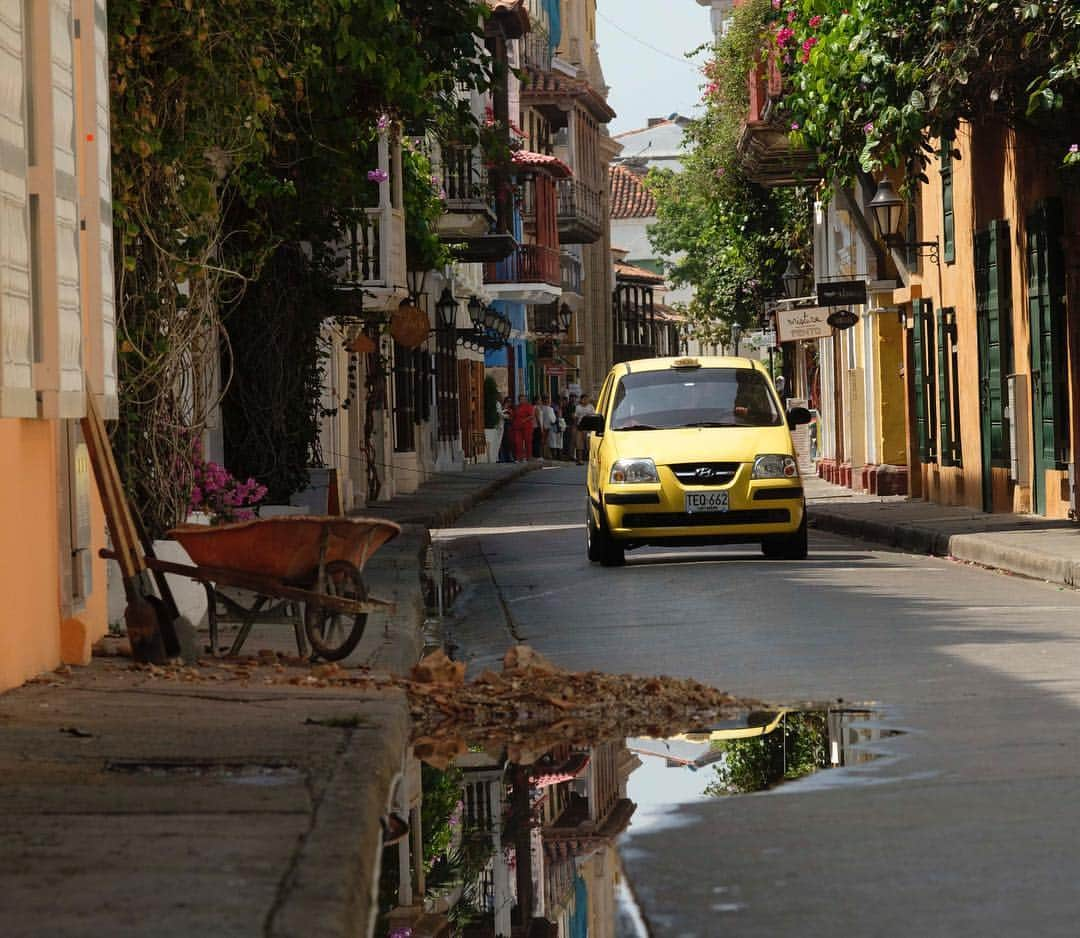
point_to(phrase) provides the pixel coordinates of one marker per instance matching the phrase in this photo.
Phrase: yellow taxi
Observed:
(690, 451)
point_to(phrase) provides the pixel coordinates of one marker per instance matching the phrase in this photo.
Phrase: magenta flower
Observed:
(784, 35)
(868, 127)
(815, 20)
(794, 125)
(383, 122)
(377, 175)
(1075, 148)
(776, 4)
(791, 16)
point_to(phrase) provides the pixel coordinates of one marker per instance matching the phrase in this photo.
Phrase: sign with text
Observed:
(842, 293)
(808, 323)
(842, 319)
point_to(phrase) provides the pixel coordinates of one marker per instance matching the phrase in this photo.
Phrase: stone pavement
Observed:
(241, 798)
(1027, 545)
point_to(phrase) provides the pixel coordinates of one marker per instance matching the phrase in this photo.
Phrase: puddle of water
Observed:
(534, 849)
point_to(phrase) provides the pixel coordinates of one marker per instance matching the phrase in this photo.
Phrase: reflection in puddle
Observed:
(506, 850)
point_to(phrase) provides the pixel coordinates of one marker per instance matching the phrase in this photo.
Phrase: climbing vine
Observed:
(242, 135)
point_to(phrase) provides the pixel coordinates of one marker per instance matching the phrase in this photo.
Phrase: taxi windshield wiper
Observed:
(709, 423)
(637, 426)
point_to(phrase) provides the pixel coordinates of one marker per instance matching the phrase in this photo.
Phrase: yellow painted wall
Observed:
(890, 391)
(31, 630)
(997, 177)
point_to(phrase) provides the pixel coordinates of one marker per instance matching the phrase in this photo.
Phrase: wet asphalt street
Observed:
(969, 824)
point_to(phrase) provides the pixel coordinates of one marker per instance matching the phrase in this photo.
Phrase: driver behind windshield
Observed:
(712, 397)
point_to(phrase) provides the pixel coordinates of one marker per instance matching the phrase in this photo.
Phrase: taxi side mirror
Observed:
(592, 423)
(797, 416)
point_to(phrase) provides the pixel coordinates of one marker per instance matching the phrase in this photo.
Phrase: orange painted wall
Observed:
(30, 616)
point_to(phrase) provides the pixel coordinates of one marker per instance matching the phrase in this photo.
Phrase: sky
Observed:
(639, 42)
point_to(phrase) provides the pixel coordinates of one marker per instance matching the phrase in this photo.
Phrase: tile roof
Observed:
(552, 164)
(629, 197)
(542, 87)
(626, 271)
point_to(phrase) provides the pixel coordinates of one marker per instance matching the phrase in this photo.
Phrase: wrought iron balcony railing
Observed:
(570, 269)
(580, 212)
(530, 263)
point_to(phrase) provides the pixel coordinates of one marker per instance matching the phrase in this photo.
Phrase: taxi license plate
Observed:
(706, 501)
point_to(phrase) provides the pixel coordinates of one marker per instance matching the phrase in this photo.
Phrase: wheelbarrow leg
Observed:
(211, 616)
(297, 613)
(249, 618)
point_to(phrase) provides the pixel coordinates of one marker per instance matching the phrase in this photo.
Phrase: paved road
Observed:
(971, 826)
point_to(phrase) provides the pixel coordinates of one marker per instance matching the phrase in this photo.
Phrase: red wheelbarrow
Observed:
(306, 571)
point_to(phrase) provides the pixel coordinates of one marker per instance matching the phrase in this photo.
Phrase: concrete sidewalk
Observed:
(239, 798)
(1027, 545)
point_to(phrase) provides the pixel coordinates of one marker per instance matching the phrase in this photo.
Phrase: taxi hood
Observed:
(701, 444)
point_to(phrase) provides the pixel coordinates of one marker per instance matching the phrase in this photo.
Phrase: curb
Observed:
(332, 891)
(979, 549)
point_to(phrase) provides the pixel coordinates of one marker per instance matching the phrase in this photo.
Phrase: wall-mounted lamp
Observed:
(888, 211)
(797, 283)
(490, 329)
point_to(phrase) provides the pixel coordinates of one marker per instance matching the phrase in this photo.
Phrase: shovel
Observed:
(146, 620)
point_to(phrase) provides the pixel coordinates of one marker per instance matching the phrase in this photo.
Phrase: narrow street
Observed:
(964, 826)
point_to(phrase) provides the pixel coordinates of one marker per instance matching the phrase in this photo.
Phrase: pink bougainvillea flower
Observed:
(784, 35)
(776, 4)
(794, 125)
(791, 16)
(868, 127)
(809, 43)
(377, 175)
(383, 122)
(1075, 148)
(815, 20)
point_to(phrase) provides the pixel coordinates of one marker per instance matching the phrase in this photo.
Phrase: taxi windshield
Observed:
(702, 397)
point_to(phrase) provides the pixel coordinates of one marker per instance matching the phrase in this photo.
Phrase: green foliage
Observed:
(731, 237)
(871, 83)
(796, 748)
(423, 208)
(242, 130)
(491, 403)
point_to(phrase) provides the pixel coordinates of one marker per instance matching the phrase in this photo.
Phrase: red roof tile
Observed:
(544, 87)
(626, 271)
(629, 197)
(551, 164)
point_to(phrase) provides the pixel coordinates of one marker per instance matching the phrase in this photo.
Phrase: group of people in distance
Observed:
(543, 429)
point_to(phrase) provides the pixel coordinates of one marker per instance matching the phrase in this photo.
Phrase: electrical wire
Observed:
(645, 43)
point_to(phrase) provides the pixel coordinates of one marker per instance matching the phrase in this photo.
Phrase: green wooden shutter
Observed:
(1046, 308)
(948, 218)
(943, 361)
(920, 385)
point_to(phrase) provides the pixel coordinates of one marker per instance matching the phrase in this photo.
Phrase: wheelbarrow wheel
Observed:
(333, 635)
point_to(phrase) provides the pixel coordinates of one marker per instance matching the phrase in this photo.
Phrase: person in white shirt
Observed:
(545, 416)
(583, 409)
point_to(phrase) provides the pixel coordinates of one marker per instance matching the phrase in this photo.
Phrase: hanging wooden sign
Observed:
(842, 319)
(409, 326)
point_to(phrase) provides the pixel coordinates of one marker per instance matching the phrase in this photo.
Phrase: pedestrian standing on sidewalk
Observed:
(545, 420)
(523, 428)
(570, 434)
(583, 409)
(506, 418)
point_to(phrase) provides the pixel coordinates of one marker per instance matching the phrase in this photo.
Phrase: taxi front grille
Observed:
(709, 519)
(705, 473)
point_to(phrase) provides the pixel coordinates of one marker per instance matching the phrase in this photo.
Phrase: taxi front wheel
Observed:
(602, 547)
(787, 546)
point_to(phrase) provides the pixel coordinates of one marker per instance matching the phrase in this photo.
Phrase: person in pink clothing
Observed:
(524, 421)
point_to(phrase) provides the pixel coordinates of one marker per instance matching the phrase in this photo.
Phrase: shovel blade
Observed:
(141, 619)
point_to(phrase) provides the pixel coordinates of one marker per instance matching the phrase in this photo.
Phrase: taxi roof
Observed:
(705, 361)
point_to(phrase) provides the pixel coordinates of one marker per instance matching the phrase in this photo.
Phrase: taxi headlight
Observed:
(634, 470)
(775, 467)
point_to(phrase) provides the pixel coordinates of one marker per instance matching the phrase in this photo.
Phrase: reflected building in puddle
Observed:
(533, 846)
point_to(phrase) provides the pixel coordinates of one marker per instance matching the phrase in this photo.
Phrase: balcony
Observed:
(537, 51)
(469, 212)
(570, 272)
(531, 274)
(371, 257)
(765, 148)
(581, 215)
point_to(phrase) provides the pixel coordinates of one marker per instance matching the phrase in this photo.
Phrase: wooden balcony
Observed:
(580, 212)
(370, 257)
(765, 148)
(531, 274)
(464, 179)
